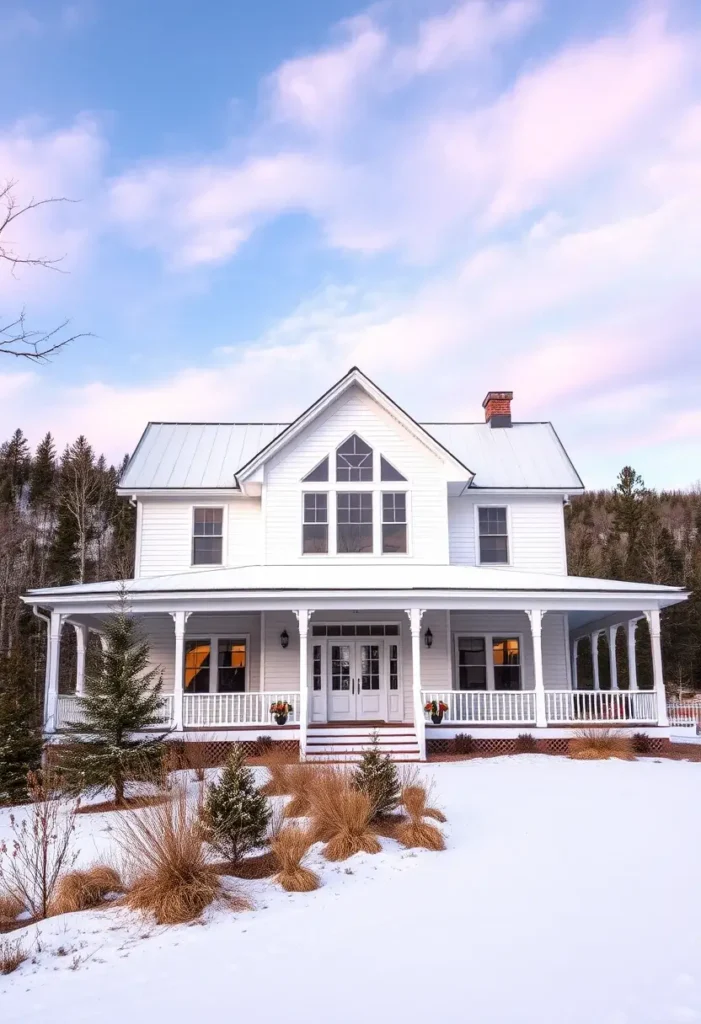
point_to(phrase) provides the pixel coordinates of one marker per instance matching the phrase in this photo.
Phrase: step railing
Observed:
(684, 712)
(214, 710)
(511, 707)
(69, 712)
(601, 707)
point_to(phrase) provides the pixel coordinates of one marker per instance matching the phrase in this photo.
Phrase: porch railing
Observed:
(512, 707)
(686, 712)
(69, 712)
(209, 710)
(600, 706)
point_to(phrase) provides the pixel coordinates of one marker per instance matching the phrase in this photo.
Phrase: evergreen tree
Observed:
(42, 477)
(123, 698)
(15, 462)
(236, 814)
(20, 729)
(377, 776)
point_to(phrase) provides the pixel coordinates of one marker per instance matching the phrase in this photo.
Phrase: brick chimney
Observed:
(497, 408)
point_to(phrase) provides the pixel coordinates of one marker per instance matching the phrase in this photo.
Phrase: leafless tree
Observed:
(16, 337)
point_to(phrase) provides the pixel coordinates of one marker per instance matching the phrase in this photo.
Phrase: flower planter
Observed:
(437, 719)
(281, 719)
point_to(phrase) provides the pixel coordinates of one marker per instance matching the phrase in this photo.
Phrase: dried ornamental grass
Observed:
(12, 955)
(289, 848)
(166, 858)
(600, 745)
(416, 832)
(11, 907)
(300, 780)
(277, 763)
(84, 890)
(342, 816)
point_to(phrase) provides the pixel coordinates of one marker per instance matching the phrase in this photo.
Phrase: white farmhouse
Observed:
(357, 565)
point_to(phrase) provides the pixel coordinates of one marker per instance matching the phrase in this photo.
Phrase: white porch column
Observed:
(180, 620)
(575, 676)
(303, 620)
(653, 620)
(415, 615)
(81, 643)
(535, 616)
(613, 667)
(595, 659)
(53, 654)
(632, 666)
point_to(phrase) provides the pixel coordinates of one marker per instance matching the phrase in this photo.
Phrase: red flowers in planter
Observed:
(436, 707)
(280, 707)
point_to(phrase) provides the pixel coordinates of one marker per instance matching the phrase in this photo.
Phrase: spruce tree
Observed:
(42, 476)
(377, 776)
(122, 699)
(236, 814)
(20, 729)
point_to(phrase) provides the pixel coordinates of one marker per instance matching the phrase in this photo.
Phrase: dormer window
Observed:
(354, 461)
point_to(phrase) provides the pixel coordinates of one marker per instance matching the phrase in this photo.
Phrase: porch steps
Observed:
(343, 743)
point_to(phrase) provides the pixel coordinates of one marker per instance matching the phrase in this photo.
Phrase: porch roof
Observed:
(368, 579)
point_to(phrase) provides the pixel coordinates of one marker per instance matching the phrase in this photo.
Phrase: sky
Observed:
(455, 196)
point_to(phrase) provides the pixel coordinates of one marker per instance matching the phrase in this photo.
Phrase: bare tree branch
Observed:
(16, 339)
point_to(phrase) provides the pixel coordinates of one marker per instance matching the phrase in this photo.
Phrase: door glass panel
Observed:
(394, 667)
(340, 666)
(232, 666)
(316, 667)
(369, 666)
(197, 660)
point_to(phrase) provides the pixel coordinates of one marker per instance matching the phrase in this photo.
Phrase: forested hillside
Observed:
(61, 522)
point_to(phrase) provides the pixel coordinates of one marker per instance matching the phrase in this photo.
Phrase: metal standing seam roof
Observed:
(208, 455)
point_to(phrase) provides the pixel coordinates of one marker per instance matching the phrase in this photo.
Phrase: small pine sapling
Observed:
(235, 814)
(377, 776)
(20, 729)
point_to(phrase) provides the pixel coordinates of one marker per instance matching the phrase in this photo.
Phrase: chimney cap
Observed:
(497, 396)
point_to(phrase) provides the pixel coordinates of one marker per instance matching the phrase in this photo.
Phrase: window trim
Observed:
(509, 534)
(214, 639)
(499, 634)
(224, 534)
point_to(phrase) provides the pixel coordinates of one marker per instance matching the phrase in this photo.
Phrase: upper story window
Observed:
(207, 539)
(493, 535)
(315, 528)
(319, 473)
(354, 460)
(394, 524)
(388, 472)
(354, 522)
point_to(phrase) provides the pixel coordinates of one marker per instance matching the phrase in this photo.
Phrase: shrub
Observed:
(289, 848)
(166, 862)
(641, 743)
(40, 847)
(235, 815)
(525, 743)
(463, 743)
(342, 815)
(12, 955)
(599, 745)
(416, 832)
(20, 727)
(277, 763)
(377, 776)
(84, 890)
(10, 909)
(300, 779)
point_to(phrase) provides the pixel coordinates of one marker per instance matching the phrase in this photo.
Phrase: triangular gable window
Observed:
(388, 472)
(354, 460)
(319, 473)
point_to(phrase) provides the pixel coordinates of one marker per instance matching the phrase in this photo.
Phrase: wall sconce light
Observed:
(428, 638)
(284, 639)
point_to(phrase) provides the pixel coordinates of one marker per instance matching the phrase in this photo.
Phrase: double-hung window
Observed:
(315, 528)
(506, 654)
(354, 522)
(207, 536)
(472, 663)
(493, 535)
(486, 662)
(394, 523)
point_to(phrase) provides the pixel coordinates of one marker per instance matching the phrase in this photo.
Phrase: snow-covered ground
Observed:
(569, 892)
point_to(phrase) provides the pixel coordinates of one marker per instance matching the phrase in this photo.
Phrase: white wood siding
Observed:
(166, 534)
(537, 531)
(426, 482)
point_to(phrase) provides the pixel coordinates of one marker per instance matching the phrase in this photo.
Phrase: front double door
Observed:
(356, 681)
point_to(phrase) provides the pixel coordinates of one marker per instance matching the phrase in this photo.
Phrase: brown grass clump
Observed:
(12, 955)
(263, 865)
(416, 832)
(84, 890)
(600, 745)
(131, 803)
(341, 815)
(10, 908)
(300, 780)
(289, 848)
(166, 859)
(278, 765)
